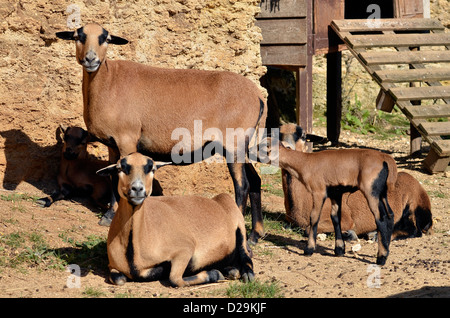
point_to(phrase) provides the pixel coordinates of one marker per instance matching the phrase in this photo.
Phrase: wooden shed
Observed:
(295, 30)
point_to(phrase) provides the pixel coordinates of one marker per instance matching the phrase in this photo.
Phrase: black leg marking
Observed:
(385, 224)
(245, 262)
(255, 203)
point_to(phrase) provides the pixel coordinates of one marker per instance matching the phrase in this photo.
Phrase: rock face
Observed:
(40, 81)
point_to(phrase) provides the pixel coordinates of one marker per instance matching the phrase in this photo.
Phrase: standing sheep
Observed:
(408, 200)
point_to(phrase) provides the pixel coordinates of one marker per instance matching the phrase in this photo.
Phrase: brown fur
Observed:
(190, 232)
(134, 107)
(407, 200)
(323, 171)
(77, 171)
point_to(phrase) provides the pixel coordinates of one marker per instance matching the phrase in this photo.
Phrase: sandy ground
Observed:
(416, 267)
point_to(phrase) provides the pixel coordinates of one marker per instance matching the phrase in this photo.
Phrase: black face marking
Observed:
(126, 168)
(81, 36)
(299, 134)
(102, 37)
(148, 167)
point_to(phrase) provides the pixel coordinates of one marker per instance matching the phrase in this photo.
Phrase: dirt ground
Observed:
(416, 267)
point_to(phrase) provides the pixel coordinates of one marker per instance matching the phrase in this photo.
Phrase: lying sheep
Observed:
(187, 239)
(330, 173)
(77, 171)
(408, 200)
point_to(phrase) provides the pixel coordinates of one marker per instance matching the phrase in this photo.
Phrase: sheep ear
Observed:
(107, 171)
(63, 128)
(159, 164)
(65, 35)
(112, 39)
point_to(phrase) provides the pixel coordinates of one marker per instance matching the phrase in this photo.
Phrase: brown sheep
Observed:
(330, 173)
(134, 107)
(77, 171)
(185, 238)
(408, 200)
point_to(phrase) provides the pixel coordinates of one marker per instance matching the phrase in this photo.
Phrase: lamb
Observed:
(186, 238)
(153, 102)
(77, 171)
(330, 173)
(408, 200)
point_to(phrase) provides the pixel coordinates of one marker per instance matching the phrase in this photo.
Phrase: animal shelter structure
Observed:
(295, 30)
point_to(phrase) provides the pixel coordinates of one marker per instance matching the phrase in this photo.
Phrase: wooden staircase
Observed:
(417, 80)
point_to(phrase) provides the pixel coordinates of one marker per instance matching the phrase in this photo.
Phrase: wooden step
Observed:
(388, 40)
(436, 128)
(413, 57)
(413, 75)
(419, 93)
(442, 147)
(425, 111)
(354, 25)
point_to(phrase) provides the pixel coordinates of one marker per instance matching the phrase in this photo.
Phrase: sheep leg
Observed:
(255, 203)
(339, 248)
(241, 185)
(61, 194)
(318, 201)
(385, 225)
(114, 156)
(179, 265)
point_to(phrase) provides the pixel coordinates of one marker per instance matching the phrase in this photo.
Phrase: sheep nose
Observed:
(90, 60)
(137, 188)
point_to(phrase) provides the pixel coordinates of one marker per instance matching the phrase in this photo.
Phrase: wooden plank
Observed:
(284, 31)
(413, 75)
(375, 58)
(442, 147)
(434, 111)
(419, 93)
(282, 9)
(388, 40)
(293, 55)
(436, 128)
(436, 162)
(354, 25)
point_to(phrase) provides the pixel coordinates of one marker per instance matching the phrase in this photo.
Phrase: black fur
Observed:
(385, 224)
(102, 37)
(126, 168)
(81, 35)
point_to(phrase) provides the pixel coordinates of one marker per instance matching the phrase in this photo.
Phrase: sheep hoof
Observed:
(117, 278)
(339, 251)
(381, 260)
(253, 238)
(106, 218)
(44, 202)
(309, 251)
(350, 235)
(232, 273)
(248, 276)
(214, 276)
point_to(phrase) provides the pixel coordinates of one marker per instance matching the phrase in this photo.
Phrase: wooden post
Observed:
(304, 99)
(334, 96)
